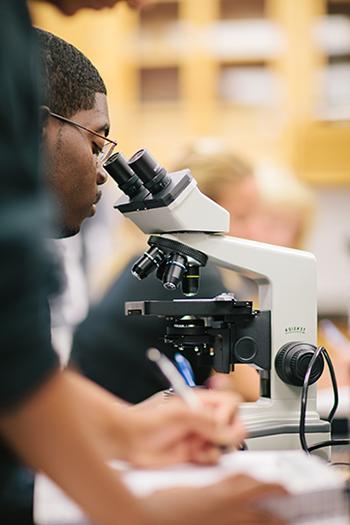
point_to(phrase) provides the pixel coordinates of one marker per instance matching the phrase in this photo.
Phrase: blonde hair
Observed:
(281, 190)
(212, 171)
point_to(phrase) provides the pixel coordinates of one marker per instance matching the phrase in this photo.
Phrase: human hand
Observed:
(234, 500)
(172, 433)
(223, 406)
(155, 401)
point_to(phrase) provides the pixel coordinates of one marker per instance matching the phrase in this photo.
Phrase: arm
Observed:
(231, 501)
(156, 434)
(51, 432)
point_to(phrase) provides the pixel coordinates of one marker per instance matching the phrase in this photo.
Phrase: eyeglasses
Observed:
(107, 149)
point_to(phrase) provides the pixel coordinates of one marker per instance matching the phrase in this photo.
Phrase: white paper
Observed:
(308, 479)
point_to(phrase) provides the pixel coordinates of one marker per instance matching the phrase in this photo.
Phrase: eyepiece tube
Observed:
(154, 176)
(130, 184)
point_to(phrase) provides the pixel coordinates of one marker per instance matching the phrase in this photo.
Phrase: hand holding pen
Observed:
(223, 405)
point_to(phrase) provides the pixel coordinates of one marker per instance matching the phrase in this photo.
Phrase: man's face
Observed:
(70, 164)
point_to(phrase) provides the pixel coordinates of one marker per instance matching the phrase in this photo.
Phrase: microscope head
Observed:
(158, 202)
(161, 202)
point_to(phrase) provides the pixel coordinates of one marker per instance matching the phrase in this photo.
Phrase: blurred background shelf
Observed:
(224, 66)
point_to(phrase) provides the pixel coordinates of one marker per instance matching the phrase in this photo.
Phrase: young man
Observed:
(56, 421)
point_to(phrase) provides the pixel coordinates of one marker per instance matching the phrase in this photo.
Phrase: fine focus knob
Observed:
(292, 361)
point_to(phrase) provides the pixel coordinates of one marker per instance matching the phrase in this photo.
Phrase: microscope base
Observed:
(289, 442)
(270, 429)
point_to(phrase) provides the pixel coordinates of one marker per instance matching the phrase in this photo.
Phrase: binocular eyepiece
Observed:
(172, 269)
(138, 176)
(153, 176)
(141, 178)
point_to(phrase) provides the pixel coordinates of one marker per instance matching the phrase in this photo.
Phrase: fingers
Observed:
(203, 453)
(224, 404)
(244, 492)
(177, 422)
(175, 434)
(246, 488)
(225, 407)
(208, 506)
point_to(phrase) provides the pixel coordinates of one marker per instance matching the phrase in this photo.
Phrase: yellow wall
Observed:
(319, 152)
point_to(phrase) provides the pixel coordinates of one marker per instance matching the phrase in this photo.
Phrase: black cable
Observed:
(334, 385)
(304, 394)
(305, 389)
(330, 443)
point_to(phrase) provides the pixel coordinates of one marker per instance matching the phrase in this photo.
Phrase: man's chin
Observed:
(66, 231)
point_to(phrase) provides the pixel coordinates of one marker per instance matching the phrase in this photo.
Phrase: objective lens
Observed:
(154, 176)
(160, 270)
(147, 263)
(130, 184)
(190, 280)
(175, 267)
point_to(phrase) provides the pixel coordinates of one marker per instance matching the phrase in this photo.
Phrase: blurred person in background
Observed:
(109, 347)
(287, 218)
(287, 209)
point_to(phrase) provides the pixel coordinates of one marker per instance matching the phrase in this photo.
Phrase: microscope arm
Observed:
(286, 280)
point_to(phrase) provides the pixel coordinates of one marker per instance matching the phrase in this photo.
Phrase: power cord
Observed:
(304, 395)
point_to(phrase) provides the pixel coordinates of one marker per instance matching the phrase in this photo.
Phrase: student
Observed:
(60, 423)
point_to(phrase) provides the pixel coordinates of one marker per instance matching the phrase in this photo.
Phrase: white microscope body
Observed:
(286, 280)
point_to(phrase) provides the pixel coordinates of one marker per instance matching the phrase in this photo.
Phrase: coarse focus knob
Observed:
(292, 361)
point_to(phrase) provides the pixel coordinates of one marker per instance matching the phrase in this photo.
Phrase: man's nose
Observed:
(102, 175)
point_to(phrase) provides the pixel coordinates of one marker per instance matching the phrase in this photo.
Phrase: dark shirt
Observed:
(109, 347)
(26, 356)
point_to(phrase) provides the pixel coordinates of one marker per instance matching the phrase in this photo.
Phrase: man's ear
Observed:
(44, 115)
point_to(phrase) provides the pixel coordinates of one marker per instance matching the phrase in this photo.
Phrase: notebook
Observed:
(317, 491)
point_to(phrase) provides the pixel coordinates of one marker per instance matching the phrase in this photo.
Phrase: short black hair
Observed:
(69, 81)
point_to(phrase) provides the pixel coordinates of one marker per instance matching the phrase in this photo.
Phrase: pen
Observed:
(174, 377)
(185, 369)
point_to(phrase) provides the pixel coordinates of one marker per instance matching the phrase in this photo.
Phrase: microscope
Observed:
(186, 230)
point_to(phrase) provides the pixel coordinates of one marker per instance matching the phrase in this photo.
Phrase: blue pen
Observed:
(185, 369)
